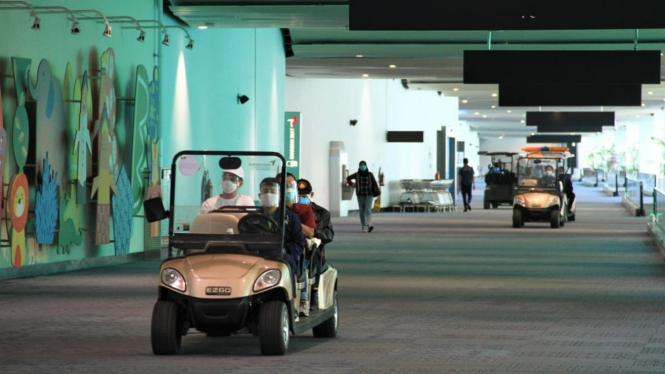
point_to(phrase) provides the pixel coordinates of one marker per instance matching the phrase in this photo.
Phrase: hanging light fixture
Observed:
(141, 37)
(37, 23)
(167, 39)
(190, 45)
(76, 28)
(107, 30)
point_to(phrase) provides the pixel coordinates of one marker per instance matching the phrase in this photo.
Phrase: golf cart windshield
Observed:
(227, 202)
(538, 173)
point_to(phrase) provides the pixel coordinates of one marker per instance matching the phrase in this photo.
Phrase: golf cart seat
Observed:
(216, 223)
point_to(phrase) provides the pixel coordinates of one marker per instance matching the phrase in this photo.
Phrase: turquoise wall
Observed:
(199, 109)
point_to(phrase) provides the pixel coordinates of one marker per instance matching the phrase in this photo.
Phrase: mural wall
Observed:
(67, 176)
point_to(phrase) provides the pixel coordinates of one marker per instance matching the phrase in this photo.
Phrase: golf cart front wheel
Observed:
(554, 219)
(274, 328)
(165, 334)
(328, 328)
(517, 218)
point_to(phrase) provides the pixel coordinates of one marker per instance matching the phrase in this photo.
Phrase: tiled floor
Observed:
(423, 293)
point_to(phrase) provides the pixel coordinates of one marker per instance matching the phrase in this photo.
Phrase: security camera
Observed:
(353, 122)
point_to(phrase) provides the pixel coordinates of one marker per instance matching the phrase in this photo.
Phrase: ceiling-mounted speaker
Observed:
(562, 67)
(569, 119)
(570, 95)
(505, 15)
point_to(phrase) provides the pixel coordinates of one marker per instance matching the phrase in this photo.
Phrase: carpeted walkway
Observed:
(424, 293)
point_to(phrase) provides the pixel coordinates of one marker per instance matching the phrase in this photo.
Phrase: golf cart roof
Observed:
(547, 152)
(509, 154)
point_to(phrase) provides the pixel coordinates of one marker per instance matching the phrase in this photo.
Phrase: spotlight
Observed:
(190, 45)
(141, 37)
(76, 28)
(243, 99)
(353, 122)
(108, 30)
(167, 39)
(36, 24)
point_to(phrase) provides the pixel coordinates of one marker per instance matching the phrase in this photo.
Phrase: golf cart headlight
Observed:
(518, 201)
(554, 201)
(267, 280)
(173, 279)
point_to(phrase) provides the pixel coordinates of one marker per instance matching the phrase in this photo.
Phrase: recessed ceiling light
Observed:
(494, 95)
(500, 136)
(638, 116)
(533, 133)
(509, 111)
(476, 113)
(455, 89)
(392, 66)
(521, 121)
(365, 75)
(359, 56)
(203, 27)
(643, 104)
(484, 115)
(465, 101)
(493, 106)
(650, 92)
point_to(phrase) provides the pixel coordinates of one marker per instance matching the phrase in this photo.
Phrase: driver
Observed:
(548, 175)
(293, 236)
(231, 181)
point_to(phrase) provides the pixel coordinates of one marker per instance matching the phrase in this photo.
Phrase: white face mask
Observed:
(269, 199)
(229, 187)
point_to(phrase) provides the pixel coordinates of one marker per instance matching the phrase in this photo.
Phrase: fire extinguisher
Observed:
(381, 178)
(437, 176)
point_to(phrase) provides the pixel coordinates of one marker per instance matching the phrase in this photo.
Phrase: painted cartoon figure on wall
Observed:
(83, 144)
(19, 192)
(152, 146)
(104, 182)
(139, 156)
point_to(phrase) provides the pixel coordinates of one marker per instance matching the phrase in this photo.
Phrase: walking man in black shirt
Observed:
(467, 182)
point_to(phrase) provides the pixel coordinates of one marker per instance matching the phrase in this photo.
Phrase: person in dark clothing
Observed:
(323, 231)
(366, 187)
(467, 182)
(293, 237)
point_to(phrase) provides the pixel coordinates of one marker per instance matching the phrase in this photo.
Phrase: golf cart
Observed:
(541, 195)
(500, 180)
(227, 271)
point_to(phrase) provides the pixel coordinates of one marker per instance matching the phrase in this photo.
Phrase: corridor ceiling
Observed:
(324, 47)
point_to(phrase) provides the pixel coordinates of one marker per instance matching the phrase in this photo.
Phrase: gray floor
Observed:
(424, 293)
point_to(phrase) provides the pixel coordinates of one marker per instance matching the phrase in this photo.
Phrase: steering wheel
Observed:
(256, 223)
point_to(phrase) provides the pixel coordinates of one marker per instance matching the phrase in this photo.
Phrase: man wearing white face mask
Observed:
(231, 181)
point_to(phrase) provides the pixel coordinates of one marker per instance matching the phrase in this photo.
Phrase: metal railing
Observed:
(612, 182)
(635, 193)
(600, 175)
(649, 182)
(589, 176)
(658, 208)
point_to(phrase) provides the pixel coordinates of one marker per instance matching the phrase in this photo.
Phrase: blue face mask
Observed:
(290, 194)
(362, 168)
(303, 200)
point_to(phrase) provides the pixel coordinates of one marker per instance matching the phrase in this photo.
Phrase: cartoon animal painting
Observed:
(83, 144)
(139, 138)
(18, 212)
(46, 207)
(104, 182)
(122, 214)
(152, 146)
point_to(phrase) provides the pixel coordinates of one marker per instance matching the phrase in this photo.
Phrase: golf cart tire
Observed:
(554, 219)
(517, 219)
(274, 328)
(165, 334)
(328, 328)
(486, 205)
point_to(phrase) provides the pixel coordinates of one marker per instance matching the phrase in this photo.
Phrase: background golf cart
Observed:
(500, 186)
(225, 273)
(426, 195)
